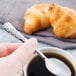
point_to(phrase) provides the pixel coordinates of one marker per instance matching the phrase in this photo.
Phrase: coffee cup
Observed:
(35, 66)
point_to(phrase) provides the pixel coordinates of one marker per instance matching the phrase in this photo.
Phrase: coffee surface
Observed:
(37, 66)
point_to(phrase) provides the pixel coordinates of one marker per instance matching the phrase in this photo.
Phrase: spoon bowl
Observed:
(57, 67)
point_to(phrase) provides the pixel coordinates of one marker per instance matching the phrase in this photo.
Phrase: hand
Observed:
(14, 56)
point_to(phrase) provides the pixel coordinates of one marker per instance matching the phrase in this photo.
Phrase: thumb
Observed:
(23, 53)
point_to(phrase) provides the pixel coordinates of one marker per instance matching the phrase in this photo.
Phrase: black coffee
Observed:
(37, 66)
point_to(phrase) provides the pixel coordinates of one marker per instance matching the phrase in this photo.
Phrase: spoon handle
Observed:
(12, 30)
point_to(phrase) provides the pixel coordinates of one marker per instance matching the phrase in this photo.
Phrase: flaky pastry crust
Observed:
(41, 16)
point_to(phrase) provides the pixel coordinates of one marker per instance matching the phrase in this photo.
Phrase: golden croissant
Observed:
(36, 18)
(62, 19)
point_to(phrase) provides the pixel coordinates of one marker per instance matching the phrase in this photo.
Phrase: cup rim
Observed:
(58, 51)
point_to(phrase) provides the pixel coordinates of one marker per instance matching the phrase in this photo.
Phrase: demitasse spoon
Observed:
(54, 65)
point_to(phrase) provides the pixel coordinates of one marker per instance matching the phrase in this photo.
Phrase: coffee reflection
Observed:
(37, 66)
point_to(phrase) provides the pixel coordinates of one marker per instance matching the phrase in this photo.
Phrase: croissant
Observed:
(36, 18)
(41, 16)
(63, 21)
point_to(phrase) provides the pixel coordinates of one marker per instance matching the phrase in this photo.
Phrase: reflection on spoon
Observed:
(57, 67)
(54, 65)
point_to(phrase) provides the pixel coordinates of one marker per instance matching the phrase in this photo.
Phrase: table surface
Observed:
(5, 37)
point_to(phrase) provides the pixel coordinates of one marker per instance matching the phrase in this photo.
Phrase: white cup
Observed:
(58, 53)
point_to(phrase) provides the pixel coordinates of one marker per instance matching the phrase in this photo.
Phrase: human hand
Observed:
(14, 56)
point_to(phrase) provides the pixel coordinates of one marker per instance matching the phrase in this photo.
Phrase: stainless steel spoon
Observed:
(54, 65)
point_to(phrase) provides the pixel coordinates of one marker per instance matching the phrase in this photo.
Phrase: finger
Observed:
(23, 53)
(8, 48)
